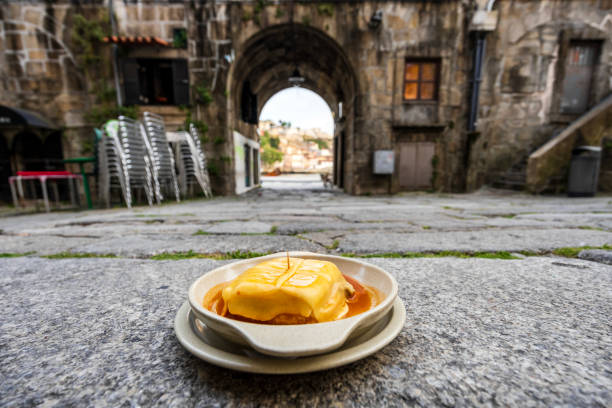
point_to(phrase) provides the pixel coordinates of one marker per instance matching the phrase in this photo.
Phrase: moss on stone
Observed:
(68, 254)
(440, 254)
(572, 252)
(177, 256)
(325, 9)
(14, 254)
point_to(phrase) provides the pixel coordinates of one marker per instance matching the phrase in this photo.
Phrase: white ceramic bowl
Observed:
(299, 339)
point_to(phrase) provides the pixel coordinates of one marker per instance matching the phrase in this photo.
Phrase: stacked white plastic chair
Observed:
(110, 164)
(162, 160)
(199, 160)
(136, 162)
(184, 163)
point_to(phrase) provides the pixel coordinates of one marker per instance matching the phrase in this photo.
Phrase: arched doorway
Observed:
(266, 64)
(296, 128)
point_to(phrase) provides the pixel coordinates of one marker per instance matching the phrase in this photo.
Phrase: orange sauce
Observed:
(364, 298)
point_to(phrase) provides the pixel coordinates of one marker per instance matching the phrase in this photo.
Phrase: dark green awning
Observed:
(15, 117)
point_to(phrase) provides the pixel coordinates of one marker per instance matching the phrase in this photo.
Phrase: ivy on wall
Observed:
(87, 36)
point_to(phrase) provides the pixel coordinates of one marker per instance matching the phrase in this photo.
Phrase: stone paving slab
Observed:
(145, 246)
(479, 332)
(481, 240)
(597, 255)
(152, 227)
(245, 227)
(44, 244)
(301, 227)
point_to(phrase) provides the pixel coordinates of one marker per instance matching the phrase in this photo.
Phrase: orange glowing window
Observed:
(421, 80)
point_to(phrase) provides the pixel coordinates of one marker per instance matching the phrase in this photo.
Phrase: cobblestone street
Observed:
(505, 313)
(314, 219)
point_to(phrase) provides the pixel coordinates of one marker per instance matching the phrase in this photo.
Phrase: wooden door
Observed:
(581, 61)
(415, 168)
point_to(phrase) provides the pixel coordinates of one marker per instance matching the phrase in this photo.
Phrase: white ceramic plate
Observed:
(297, 340)
(204, 343)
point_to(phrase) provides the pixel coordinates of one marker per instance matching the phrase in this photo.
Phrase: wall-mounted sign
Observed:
(384, 161)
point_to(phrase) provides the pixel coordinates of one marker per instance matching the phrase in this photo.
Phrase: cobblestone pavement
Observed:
(271, 220)
(530, 326)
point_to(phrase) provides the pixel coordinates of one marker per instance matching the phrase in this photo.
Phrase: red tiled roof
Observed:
(136, 40)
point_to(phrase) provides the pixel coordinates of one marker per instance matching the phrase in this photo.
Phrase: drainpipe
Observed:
(115, 54)
(479, 46)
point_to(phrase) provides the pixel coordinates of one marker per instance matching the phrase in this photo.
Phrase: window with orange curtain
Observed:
(421, 80)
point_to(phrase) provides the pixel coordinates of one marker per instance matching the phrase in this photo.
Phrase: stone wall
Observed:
(519, 98)
(521, 88)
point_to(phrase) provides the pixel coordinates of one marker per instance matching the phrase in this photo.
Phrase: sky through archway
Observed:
(301, 107)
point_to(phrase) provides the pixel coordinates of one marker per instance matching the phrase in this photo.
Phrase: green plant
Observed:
(334, 245)
(99, 114)
(434, 173)
(246, 16)
(199, 125)
(572, 252)
(321, 143)
(273, 230)
(325, 9)
(279, 13)
(177, 256)
(219, 140)
(14, 254)
(271, 153)
(440, 254)
(226, 159)
(179, 38)
(212, 168)
(68, 254)
(271, 156)
(306, 20)
(588, 227)
(87, 35)
(203, 94)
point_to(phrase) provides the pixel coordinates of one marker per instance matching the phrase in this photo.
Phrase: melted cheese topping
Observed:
(309, 287)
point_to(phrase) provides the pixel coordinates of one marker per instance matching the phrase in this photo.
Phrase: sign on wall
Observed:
(384, 161)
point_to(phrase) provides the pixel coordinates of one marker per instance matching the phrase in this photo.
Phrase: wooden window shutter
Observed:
(180, 78)
(131, 85)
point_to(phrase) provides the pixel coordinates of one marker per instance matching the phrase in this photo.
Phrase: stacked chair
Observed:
(199, 160)
(136, 157)
(162, 160)
(136, 164)
(111, 162)
(186, 167)
(191, 163)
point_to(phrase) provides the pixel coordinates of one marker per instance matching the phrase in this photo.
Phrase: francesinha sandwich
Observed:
(289, 291)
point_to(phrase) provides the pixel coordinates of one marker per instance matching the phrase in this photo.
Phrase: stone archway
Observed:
(267, 60)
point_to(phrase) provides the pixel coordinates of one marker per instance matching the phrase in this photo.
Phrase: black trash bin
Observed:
(584, 170)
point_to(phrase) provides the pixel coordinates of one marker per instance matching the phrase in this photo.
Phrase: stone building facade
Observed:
(397, 75)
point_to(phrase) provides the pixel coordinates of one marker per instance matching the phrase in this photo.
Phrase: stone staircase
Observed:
(552, 158)
(515, 178)
(547, 167)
